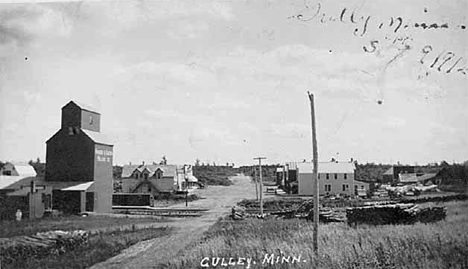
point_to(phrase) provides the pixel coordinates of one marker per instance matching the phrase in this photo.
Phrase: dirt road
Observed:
(152, 253)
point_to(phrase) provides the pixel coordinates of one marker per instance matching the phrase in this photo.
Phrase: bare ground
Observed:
(152, 253)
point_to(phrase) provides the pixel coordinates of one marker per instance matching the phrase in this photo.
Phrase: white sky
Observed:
(226, 81)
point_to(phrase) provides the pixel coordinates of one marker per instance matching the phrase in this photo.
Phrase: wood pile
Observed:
(40, 245)
(238, 213)
(393, 214)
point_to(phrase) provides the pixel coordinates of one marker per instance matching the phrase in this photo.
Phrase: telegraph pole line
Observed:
(261, 182)
(315, 173)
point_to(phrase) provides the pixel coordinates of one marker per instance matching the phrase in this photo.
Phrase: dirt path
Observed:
(151, 253)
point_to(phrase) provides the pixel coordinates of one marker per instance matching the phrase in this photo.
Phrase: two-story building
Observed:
(334, 178)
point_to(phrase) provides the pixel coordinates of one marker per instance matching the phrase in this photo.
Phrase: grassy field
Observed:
(66, 223)
(100, 247)
(442, 244)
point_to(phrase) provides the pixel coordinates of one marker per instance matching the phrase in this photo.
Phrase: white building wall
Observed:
(307, 187)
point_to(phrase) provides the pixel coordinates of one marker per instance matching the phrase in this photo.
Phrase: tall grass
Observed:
(437, 245)
(100, 247)
(67, 223)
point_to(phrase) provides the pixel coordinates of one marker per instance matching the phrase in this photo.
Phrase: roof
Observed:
(168, 170)
(327, 167)
(362, 182)
(83, 107)
(20, 192)
(97, 137)
(415, 178)
(389, 171)
(11, 182)
(18, 182)
(24, 169)
(80, 187)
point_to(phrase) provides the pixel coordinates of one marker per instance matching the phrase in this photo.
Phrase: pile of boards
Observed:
(238, 213)
(40, 245)
(407, 213)
(304, 210)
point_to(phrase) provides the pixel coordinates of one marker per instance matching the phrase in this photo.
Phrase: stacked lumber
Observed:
(431, 214)
(306, 211)
(40, 245)
(393, 214)
(238, 213)
(328, 215)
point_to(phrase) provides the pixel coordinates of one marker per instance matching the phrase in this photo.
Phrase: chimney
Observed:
(352, 160)
(143, 163)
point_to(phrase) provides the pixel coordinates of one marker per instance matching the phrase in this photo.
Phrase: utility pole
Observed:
(261, 182)
(256, 182)
(186, 187)
(286, 183)
(316, 182)
(283, 178)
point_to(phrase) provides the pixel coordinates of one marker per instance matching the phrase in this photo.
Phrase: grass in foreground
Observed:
(437, 245)
(66, 223)
(99, 248)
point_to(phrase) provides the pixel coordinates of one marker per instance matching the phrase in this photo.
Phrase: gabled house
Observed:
(153, 179)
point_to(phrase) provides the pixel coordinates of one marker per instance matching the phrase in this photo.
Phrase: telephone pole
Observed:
(315, 172)
(261, 182)
(256, 183)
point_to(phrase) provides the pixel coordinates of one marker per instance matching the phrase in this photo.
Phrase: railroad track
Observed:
(165, 212)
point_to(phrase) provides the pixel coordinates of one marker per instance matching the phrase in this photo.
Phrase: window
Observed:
(7, 173)
(158, 175)
(328, 176)
(90, 120)
(327, 187)
(318, 176)
(70, 131)
(345, 176)
(336, 176)
(145, 175)
(345, 187)
(136, 175)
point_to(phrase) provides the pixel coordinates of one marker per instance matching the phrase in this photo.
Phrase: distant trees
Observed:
(163, 161)
(38, 166)
(444, 164)
(117, 172)
(370, 171)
